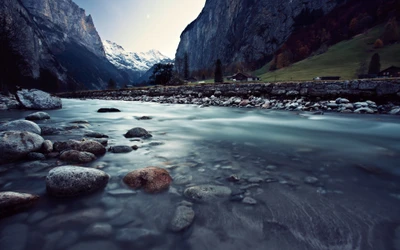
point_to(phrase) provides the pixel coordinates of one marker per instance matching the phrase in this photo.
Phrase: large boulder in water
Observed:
(38, 116)
(12, 202)
(37, 99)
(152, 179)
(15, 145)
(68, 181)
(77, 156)
(138, 133)
(21, 125)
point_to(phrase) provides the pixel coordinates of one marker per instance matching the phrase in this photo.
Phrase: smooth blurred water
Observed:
(354, 205)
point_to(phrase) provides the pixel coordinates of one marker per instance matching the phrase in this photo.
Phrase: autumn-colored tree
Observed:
(391, 33)
(378, 44)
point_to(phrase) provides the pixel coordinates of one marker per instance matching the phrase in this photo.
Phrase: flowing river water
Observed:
(352, 203)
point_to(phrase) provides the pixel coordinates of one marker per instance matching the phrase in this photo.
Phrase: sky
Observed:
(142, 25)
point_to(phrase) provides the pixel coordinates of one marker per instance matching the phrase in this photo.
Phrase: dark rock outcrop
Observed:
(242, 31)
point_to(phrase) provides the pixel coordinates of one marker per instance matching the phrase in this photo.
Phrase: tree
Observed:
(186, 71)
(378, 44)
(375, 64)
(162, 73)
(218, 75)
(111, 84)
(391, 33)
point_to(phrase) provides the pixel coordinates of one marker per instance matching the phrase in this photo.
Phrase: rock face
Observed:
(243, 31)
(21, 125)
(12, 202)
(15, 145)
(152, 179)
(70, 181)
(37, 99)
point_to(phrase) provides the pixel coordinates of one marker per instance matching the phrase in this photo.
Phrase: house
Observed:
(392, 71)
(242, 77)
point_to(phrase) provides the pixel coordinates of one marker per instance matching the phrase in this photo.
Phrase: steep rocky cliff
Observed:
(244, 31)
(21, 34)
(73, 40)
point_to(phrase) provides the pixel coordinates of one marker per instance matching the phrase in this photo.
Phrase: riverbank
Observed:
(358, 96)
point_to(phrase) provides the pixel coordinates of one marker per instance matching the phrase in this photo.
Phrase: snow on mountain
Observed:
(126, 60)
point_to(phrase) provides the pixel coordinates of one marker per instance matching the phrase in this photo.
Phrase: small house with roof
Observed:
(392, 71)
(242, 77)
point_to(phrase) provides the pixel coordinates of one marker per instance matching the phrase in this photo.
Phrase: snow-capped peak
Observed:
(141, 61)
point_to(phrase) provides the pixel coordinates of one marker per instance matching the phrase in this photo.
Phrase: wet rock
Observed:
(236, 197)
(14, 237)
(84, 217)
(364, 110)
(21, 125)
(60, 146)
(120, 149)
(136, 235)
(271, 168)
(144, 118)
(255, 179)
(182, 218)
(99, 230)
(135, 147)
(80, 122)
(311, 180)
(33, 156)
(156, 143)
(77, 156)
(152, 179)
(50, 130)
(249, 201)
(38, 116)
(13, 202)
(15, 145)
(205, 193)
(97, 245)
(395, 111)
(108, 110)
(137, 132)
(233, 178)
(93, 147)
(37, 99)
(96, 135)
(182, 179)
(342, 101)
(47, 147)
(69, 181)
(102, 141)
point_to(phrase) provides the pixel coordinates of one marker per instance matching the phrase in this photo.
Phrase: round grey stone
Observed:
(15, 145)
(205, 193)
(77, 156)
(38, 116)
(69, 181)
(182, 218)
(137, 132)
(21, 125)
(121, 149)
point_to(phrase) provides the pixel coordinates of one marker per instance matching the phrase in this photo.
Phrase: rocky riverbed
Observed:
(167, 176)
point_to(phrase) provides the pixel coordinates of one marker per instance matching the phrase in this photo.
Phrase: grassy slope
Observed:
(342, 59)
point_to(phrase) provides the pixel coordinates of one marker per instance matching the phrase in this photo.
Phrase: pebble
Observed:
(249, 201)
(206, 193)
(182, 218)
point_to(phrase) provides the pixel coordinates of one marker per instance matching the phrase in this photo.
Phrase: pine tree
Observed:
(218, 75)
(375, 64)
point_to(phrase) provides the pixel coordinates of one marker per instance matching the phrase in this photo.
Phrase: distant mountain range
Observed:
(135, 65)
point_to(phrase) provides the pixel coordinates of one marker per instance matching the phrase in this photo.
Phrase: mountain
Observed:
(134, 64)
(244, 31)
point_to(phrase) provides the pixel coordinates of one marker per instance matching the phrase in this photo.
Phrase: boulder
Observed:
(205, 193)
(108, 110)
(34, 156)
(47, 147)
(38, 116)
(93, 147)
(96, 135)
(77, 156)
(138, 132)
(21, 125)
(12, 202)
(15, 145)
(37, 99)
(68, 181)
(152, 179)
(182, 218)
(59, 146)
(121, 149)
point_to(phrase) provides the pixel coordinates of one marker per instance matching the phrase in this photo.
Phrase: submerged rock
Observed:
(37, 99)
(70, 181)
(38, 116)
(77, 156)
(182, 218)
(205, 193)
(66, 145)
(96, 135)
(21, 125)
(120, 149)
(13, 202)
(152, 179)
(137, 132)
(14, 237)
(15, 145)
(108, 110)
(93, 147)
(47, 147)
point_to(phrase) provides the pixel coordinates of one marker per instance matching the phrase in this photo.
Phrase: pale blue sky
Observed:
(141, 25)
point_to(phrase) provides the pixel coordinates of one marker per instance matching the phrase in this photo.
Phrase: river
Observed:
(352, 200)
